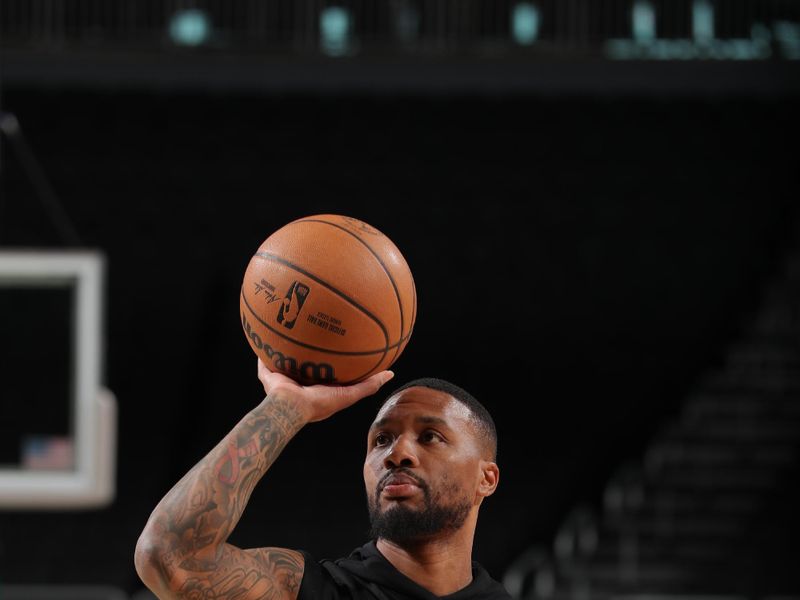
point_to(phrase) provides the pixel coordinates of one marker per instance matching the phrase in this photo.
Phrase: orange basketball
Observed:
(328, 299)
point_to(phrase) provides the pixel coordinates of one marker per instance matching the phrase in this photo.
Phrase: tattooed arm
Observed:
(182, 552)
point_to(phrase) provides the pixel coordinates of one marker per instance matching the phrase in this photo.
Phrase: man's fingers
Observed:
(263, 371)
(353, 393)
(372, 384)
(383, 378)
(323, 400)
(264, 376)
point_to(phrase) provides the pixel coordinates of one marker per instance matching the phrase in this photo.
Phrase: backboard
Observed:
(57, 420)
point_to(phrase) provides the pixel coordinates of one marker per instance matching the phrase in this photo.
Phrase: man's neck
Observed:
(442, 565)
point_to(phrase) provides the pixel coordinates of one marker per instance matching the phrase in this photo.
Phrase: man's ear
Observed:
(490, 477)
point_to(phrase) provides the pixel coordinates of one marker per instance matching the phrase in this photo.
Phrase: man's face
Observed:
(423, 468)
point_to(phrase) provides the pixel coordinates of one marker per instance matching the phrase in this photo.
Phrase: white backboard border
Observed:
(91, 484)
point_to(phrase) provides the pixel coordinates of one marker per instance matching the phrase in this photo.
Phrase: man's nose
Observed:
(402, 454)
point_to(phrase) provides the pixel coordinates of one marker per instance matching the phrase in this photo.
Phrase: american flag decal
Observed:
(52, 453)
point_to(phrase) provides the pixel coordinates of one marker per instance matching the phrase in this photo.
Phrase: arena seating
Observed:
(710, 508)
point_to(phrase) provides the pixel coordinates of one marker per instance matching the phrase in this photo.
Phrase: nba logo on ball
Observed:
(292, 304)
(347, 300)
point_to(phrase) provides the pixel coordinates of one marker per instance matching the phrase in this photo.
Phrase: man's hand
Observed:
(318, 402)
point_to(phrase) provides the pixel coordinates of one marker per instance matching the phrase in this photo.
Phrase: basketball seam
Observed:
(338, 292)
(305, 345)
(385, 270)
(325, 351)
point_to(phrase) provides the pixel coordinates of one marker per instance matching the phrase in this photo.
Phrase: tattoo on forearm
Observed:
(200, 512)
(248, 578)
(285, 565)
(227, 467)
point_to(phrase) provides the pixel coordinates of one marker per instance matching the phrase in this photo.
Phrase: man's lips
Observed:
(399, 485)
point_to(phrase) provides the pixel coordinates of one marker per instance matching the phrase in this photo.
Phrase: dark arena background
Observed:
(598, 200)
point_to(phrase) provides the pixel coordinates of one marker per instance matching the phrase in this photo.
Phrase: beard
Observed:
(401, 524)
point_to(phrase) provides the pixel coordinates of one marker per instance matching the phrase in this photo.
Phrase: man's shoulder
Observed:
(484, 587)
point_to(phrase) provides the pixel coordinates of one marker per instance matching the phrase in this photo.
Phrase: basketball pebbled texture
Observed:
(328, 299)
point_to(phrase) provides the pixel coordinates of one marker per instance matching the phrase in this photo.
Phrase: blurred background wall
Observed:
(596, 199)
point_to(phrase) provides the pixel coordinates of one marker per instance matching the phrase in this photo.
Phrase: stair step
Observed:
(736, 405)
(688, 527)
(760, 356)
(666, 578)
(733, 433)
(700, 454)
(764, 426)
(724, 504)
(567, 590)
(690, 596)
(643, 575)
(772, 333)
(736, 381)
(660, 506)
(758, 351)
(693, 552)
(718, 479)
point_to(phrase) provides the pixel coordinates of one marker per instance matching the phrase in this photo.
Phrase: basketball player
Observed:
(429, 465)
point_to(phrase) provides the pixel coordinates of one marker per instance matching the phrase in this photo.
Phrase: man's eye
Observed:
(430, 436)
(381, 439)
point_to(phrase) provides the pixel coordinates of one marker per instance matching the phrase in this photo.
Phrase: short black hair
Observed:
(480, 416)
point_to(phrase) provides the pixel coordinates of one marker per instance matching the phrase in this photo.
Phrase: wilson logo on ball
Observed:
(308, 370)
(292, 303)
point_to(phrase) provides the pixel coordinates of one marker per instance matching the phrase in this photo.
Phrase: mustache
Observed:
(401, 471)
